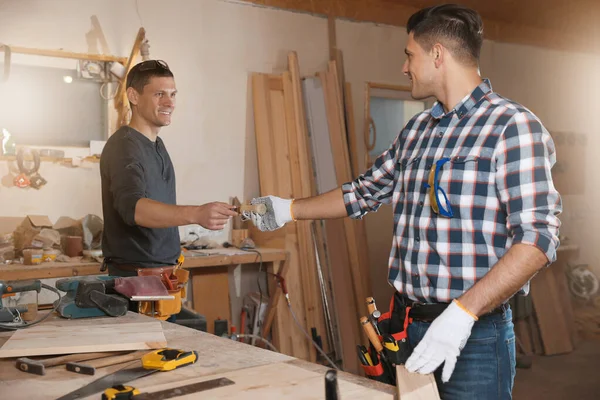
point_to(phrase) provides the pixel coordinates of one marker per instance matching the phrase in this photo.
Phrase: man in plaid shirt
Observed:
(475, 208)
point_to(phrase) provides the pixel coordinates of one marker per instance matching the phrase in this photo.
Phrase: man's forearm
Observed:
(154, 214)
(520, 263)
(325, 206)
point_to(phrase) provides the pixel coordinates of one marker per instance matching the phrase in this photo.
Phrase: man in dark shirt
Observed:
(138, 181)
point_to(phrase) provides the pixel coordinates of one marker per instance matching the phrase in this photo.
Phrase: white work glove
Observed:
(279, 213)
(442, 343)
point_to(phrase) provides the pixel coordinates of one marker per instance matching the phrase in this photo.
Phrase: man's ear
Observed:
(132, 96)
(438, 53)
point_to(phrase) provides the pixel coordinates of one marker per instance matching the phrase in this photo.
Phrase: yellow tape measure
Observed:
(120, 392)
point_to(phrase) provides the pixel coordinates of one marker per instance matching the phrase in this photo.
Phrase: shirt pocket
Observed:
(468, 178)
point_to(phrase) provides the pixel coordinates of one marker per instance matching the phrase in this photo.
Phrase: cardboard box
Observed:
(29, 228)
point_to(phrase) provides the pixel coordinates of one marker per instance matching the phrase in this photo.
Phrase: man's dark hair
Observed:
(140, 74)
(457, 27)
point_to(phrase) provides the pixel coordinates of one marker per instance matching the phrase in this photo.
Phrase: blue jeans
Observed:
(486, 366)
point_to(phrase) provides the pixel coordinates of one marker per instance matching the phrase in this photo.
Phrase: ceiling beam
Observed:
(396, 13)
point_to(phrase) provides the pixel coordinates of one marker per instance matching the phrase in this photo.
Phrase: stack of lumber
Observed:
(328, 277)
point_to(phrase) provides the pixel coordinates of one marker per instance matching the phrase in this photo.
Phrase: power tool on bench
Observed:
(10, 317)
(90, 296)
(98, 296)
(9, 288)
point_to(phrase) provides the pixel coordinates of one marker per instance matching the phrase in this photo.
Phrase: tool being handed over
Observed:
(159, 360)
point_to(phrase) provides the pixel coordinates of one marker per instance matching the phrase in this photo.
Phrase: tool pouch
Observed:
(377, 372)
(175, 281)
(395, 323)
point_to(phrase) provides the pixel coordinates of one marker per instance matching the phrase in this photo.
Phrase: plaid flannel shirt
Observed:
(498, 183)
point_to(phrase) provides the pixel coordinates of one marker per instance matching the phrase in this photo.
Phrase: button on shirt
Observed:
(498, 183)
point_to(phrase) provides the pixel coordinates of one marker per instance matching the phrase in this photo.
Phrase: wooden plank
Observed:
(352, 136)
(67, 54)
(271, 129)
(524, 335)
(548, 309)
(536, 337)
(275, 381)
(82, 337)
(210, 287)
(560, 277)
(360, 280)
(346, 316)
(121, 100)
(397, 13)
(279, 268)
(302, 187)
(414, 386)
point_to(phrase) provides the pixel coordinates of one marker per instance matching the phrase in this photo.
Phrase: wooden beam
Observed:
(121, 100)
(396, 13)
(66, 54)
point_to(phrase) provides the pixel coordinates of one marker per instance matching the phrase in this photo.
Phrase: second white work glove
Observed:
(279, 213)
(442, 343)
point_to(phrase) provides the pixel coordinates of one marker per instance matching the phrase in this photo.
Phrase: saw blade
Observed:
(99, 385)
(187, 389)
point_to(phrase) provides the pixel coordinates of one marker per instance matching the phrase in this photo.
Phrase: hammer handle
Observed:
(54, 361)
(107, 361)
(370, 332)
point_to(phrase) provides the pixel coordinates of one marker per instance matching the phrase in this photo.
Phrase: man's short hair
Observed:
(140, 74)
(458, 28)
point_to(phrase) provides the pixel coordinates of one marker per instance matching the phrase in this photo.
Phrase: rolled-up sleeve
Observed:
(127, 182)
(375, 187)
(524, 158)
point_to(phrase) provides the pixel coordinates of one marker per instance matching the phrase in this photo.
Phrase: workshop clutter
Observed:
(34, 239)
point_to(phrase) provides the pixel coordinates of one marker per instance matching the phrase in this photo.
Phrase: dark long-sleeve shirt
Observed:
(133, 167)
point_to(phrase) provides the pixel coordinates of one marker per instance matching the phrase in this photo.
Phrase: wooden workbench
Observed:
(257, 373)
(193, 260)
(209, 280)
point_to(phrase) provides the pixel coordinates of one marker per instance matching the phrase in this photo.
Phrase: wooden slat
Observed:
(84, 337)
(346, 315)
(351, 124)
(275, 298)
(524, 335)
(66, 54)
(414, 386)
(121, 100)
(556, 334)
(303, 186)
(360, 280)
(271, 127)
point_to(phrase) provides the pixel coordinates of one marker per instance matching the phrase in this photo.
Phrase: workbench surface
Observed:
(193, 259)
(258, 373)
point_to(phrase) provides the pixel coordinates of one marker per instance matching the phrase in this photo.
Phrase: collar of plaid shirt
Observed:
(498, 181)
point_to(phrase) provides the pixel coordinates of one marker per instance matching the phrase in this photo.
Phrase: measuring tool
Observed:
(128, 392)
(159, 360)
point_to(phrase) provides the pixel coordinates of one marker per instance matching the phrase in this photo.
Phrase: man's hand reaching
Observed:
(214, 216)
(279, 213)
